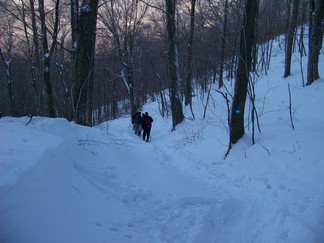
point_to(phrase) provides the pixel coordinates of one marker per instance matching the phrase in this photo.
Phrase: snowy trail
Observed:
(74, 190)
(238, 194)
(52, 192)
(175, 197)
(226, 202)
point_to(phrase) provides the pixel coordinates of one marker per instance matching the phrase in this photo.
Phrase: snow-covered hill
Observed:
(60, 182)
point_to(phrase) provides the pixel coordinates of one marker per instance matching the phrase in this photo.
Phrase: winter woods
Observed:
(92, 60)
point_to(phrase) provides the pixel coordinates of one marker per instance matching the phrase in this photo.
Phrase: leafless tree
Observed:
(7, 61)
(222, 55)
(30, 25)
(84, 66)
(190, 46)
(316, 15)
(23, 13)
(136, 48)
(124, 20)
(292, 24)
(48, 51)
(173, 55)
(242, 76)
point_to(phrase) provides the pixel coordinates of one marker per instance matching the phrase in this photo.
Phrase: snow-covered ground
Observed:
(60, 182)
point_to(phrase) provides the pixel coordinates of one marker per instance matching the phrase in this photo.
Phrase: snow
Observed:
(60, 182)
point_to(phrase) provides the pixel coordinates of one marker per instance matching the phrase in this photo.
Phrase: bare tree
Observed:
(8, 68)
(222, 57)
(316, 13)
(173, 56)
(242, 76)
(24, 16)
(63, 70)
(200, 51)
(124, 20)
(190, 46)
(74, 8)
(84, 67)
(48, 51)
(34, 55)
(292, 24)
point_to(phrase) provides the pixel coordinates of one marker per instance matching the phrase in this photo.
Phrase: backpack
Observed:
(147, 122)
(138, 119)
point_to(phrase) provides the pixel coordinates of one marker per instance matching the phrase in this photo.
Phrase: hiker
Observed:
(133, 120)
(147, 125)
(137, 123)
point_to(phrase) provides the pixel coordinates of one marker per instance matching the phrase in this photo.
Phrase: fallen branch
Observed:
(290, 111)
(264, 148)
(30, 118)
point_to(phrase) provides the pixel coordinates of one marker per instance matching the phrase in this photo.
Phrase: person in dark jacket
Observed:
(137, 123)
(147, 125)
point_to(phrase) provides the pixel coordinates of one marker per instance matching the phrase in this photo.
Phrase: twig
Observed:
(290, 112)
(264, 148)
(30, 118)
(228, 118)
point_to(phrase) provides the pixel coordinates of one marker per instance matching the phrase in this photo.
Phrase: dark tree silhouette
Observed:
(173, 55)
(316, 13)
(242, 75)
(83, 86)
(290, 37)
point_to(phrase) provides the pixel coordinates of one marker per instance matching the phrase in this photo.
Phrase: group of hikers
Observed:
(142, 122)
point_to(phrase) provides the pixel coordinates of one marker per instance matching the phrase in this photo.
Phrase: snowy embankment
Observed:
(60, 182)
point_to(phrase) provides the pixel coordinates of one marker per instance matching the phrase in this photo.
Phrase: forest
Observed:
(91, 61)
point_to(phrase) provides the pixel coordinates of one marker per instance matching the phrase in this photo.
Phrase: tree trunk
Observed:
(242, 76)
(34, 56)
(47, 53)
(10, 84)
(301, 47)
(222, 57)
(173, 56)
(83, 86)
(316, 14)
(188, 93)
(74, 35)
(290, 37)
